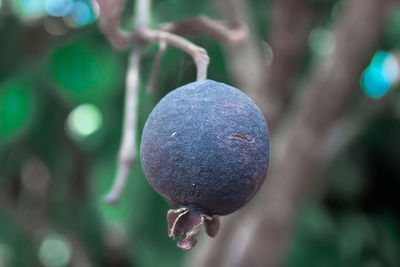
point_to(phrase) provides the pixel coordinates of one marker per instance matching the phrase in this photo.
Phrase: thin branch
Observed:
(141, 35)
(202, 25)
(109, 22)
(127, 152)
(198, 53)
(156, 67)
(110, 12)
(142, 13)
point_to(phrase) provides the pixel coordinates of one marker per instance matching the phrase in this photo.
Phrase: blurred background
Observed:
(61, 110)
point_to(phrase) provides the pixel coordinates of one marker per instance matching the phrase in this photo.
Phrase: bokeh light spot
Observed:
(29, 9)
(379, 76)
(84, 120)
(58, 8)
(321, 41)
(6, 255)
(55, 251)
(85, 71)
(16, 109)
(82, 14)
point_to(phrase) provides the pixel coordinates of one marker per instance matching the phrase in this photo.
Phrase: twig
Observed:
(142, 13)
(198, 53)
(199, 25)
(110, 12)
(127, 151)
(141, 35)
(202, 25)
(109, 22)
(156, 67)
(128, 145)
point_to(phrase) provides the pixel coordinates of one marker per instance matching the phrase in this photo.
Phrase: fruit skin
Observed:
(205, 146)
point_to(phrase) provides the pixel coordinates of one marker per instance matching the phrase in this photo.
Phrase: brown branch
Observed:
(247, 62)
(291, 25)
(198, 25)
(141, 35)
(202, 25)
(127, 152)
(198, 53)
(109, 22)
(110, 13)
(313, 123)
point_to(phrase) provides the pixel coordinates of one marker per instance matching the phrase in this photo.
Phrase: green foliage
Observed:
(17, 106)
(84, 71)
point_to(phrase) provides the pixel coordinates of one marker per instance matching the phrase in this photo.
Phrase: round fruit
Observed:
(205, 149)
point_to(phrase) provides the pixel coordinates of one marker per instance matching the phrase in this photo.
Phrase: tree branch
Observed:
(109, 22)
(142, 13)
(141, 35)
(198, 53)
(202, 25)
(127, 152)
(247, 62)
(198, 25)
(291, 25)
(313, 123)
(110, 12)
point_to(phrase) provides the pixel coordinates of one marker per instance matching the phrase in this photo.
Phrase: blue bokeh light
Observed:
(29, 9)
(380, 75)
(58, 8)
(82, 13)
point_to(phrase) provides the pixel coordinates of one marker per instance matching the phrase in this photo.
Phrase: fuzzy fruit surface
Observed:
(205, 146)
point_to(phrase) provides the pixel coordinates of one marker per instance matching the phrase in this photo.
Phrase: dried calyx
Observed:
(188, 224)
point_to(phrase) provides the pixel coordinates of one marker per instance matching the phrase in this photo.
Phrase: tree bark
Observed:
(328, 92)
(292, 23)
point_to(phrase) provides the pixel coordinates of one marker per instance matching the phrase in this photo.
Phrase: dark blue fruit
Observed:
(205, 149)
